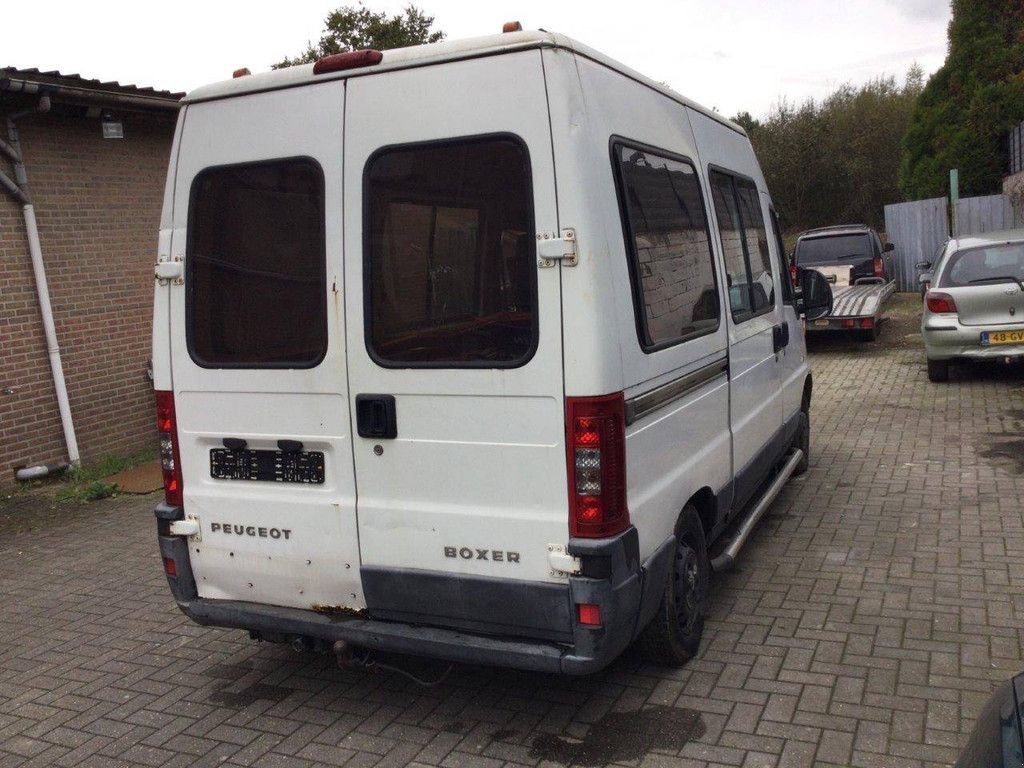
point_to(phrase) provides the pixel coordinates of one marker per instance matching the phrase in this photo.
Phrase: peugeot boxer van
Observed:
(483, 350)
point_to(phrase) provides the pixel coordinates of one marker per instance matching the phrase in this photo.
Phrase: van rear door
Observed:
(258, 350)
(454, 334)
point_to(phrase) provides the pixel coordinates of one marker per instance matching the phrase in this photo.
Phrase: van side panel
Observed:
(168, 246)
(683, 446)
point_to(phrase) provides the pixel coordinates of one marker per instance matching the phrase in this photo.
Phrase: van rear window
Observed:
(450, 274)
(256, 282)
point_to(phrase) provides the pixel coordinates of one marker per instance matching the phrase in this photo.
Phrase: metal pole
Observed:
(954, 196)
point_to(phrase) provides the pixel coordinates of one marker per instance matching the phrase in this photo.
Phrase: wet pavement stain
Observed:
(249, 695)
(228, 671)
(1011, 452)
(623, 736)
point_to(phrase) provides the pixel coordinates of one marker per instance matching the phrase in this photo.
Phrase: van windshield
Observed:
(821, 250)
(450, 265)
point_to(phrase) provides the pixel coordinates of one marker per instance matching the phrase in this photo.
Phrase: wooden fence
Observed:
(975, 215)
(918, 230)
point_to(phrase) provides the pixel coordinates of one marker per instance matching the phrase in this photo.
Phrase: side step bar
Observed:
(724, 561)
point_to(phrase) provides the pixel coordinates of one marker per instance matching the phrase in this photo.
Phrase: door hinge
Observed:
(188, 527)
(552, 248)
(166, 271)
(561, 562)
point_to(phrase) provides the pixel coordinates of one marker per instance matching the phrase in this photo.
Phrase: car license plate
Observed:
(821, 323)
(1002, 337)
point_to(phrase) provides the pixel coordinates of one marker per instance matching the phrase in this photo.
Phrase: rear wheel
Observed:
(871, 334)
(674, 634)
(938, 370)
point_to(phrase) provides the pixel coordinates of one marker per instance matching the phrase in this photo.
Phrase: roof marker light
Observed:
(511, 26)
(337, 62)
(241, 72)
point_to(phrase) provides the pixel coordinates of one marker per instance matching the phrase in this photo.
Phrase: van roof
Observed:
(436, 53)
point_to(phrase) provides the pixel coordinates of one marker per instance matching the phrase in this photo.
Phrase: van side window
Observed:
(744, 245)
(450, 271)
(669, 246)
(256, 282)
(787, 278)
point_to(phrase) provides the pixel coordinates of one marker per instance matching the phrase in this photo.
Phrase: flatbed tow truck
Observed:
(852, 259)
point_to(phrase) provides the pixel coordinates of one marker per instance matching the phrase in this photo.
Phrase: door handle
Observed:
(376, 416)
(780, 337)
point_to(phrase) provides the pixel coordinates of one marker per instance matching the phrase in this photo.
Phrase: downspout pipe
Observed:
(21, 193)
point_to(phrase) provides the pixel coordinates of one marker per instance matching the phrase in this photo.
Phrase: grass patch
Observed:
(80, 485)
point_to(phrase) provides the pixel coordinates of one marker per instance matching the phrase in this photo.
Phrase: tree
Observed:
(351, 28)
(969, 104)
(836, 161)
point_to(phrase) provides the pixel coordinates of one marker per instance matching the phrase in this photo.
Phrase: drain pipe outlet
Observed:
(33, 473)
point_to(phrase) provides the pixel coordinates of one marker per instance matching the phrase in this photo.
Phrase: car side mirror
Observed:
(888, 247)
(815, 295)
(923, 265)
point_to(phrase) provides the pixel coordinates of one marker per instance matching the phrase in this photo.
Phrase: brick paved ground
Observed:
(867, 621)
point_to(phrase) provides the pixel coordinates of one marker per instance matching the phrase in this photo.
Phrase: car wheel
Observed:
(674, 634)
(803, 442)
(938, 370)
(872, 333)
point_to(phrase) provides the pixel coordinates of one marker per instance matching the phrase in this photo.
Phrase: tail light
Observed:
(793, 275)
(940, 302)
(596, 447)
(879, 267)
(170, 459)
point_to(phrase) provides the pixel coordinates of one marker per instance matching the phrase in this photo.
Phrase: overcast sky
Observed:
(728, 54)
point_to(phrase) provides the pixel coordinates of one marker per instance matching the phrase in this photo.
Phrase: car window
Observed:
(974, 266)
(667, 239)
(829, 248)
(256, 283)
(450, 263)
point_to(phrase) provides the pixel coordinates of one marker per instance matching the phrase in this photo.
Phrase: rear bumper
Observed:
(540, 633)
(946, 339)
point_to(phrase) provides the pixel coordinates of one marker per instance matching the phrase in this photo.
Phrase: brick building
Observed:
(97, 203)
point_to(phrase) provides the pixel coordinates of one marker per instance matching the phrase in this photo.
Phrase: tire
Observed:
(938, 370)
(673, 636)
(803, 442)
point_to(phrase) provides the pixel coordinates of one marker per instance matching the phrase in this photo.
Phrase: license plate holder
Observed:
(305, 467)
(994, 338)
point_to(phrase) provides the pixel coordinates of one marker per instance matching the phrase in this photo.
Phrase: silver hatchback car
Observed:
(974, 307)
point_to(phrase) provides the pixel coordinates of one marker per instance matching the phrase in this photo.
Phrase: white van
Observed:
(470, 350)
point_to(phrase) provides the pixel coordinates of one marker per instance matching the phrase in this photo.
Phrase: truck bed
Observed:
(855, 307)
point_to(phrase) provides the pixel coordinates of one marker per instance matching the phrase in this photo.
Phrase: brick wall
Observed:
(97, 204)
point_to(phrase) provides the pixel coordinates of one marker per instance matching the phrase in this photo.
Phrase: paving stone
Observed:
(873, 610)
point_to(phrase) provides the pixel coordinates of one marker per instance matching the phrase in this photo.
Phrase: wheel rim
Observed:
(688, 586)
